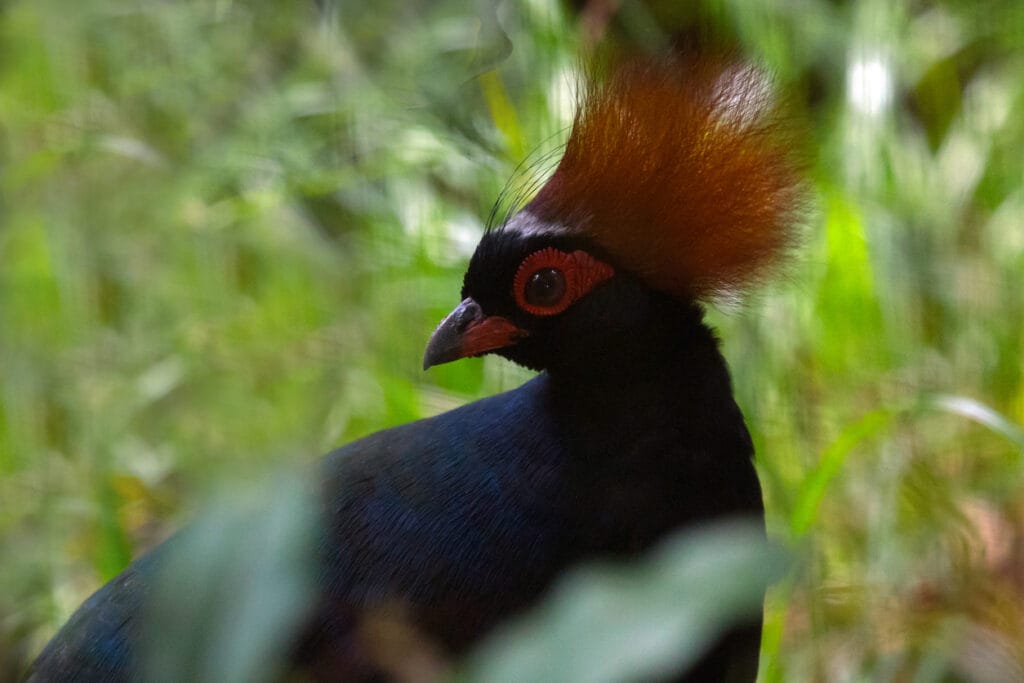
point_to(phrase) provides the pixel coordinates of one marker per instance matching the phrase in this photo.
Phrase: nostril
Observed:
(468, 312)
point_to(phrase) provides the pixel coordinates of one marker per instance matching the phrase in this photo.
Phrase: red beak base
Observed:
(466, 331)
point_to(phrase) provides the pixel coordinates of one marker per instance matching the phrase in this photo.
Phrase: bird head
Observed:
(527, 295)
(678, 180)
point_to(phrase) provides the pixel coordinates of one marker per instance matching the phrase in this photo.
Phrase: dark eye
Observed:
(548, 281)
(545, 288)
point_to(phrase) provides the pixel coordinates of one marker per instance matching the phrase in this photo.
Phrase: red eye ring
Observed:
(582, 272)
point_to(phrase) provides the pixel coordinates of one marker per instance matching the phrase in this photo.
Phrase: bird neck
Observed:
(652, 434)
(659, 379)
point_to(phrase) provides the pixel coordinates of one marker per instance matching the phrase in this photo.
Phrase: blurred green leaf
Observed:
(232, 590)
(806, 508)
(606, 623)
(976, 411)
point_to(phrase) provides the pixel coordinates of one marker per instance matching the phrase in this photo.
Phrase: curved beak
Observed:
(466, 331)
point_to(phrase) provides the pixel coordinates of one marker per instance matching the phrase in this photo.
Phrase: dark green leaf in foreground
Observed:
(232, 591)
(614, 623)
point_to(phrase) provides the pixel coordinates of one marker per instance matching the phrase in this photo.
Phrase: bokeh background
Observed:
(227, 229)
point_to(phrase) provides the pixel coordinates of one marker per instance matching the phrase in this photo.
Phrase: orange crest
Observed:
(681, 171)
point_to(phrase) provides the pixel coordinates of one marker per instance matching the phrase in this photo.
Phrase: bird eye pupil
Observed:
(546, 287)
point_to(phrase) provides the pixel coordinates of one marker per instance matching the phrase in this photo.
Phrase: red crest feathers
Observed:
(682, 172)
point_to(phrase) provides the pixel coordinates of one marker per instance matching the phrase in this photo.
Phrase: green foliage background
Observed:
(227, 229)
